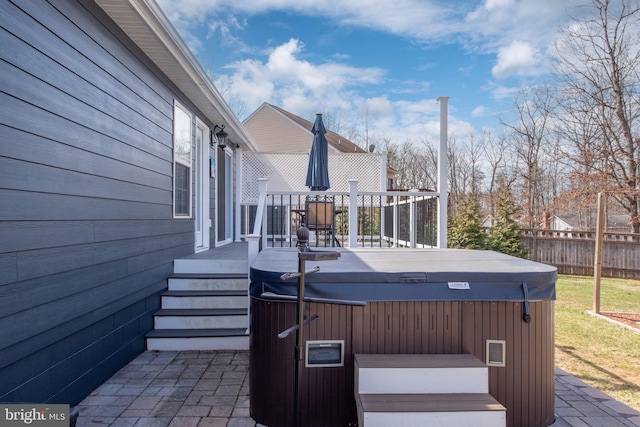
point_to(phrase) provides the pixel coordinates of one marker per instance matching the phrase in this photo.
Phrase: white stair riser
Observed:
(204, 302)
(208, 343)
(435, 419)
(197, 266)
(201, 322)
(422, 380)
(185, 284)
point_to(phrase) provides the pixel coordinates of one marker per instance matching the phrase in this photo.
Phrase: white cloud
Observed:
(247, 85)
(517, 32)
(501, 92)
(520, 34)
(518, 59)
(295, 84)
(341, 56)
(403, 17)
(496, 22)
(378, 106)
(227, 29)
(488, 28)
(491, 28)
(412, 121)
(497, 4)
(410, 87)
(479, 111)
(306, 88)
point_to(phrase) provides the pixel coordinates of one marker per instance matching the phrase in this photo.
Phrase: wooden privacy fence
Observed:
(572, 252)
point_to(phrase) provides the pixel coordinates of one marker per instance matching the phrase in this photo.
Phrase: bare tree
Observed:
(416, 164)
(529, 132)
(499, 167)
(359, 131)
(473, 152)
(456, 193)
(555, 175)
(598, 65)
(223, 84)
(334, 121)
(466, 176)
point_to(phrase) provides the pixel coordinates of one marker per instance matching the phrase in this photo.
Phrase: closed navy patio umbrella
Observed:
(318, 169)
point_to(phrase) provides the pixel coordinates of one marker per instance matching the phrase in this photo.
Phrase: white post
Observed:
(412, 222)
(238, 171)
(383, 199)
(353, 213)
(396, 222)
(443, 167)
(383, 166)
(253, 247)
(254, 238)
(262, 186)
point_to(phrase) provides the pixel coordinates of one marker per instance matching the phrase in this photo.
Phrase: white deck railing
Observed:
(382, 219)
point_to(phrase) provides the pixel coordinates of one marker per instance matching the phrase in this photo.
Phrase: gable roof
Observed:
(149, 28)
(275, 129)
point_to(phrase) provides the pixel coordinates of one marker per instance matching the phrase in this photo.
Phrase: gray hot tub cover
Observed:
(407, 275)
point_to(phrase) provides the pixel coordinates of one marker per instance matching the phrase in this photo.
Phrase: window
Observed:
(182, 135)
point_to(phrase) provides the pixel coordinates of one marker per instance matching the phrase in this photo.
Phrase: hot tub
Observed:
(418, 301)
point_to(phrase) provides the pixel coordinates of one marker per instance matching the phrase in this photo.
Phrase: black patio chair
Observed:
(320, 218)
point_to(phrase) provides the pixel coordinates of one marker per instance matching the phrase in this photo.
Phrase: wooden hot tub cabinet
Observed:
(525, 385)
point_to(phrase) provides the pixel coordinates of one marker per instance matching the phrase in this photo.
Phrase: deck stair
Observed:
(204, 308)
(424, 390)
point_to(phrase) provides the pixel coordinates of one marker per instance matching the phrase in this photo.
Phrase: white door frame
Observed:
(202, 222)
(224, 232)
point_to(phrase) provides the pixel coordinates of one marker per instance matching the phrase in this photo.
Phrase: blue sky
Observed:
(381, 62)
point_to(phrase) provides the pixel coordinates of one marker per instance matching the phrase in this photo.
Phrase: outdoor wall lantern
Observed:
(221, 135)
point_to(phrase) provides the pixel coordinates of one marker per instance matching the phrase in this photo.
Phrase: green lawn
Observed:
(604, 355)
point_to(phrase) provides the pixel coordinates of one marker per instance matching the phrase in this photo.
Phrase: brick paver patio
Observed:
(211, 388)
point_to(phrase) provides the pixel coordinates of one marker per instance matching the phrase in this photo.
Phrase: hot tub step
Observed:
(420, 373)
(442, 410)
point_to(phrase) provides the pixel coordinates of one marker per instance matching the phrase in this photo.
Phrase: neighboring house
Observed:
(106, 177)
(560, 224)
(614, 223)
(276, 130)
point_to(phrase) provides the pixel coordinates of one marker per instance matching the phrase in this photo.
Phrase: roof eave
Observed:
(149, 28)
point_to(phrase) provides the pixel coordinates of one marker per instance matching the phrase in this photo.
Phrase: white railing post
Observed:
(383, 199)
(353, 213)
(412, 222)
(265, 237)
(396, 221)
(443, 167)
(259, 224)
